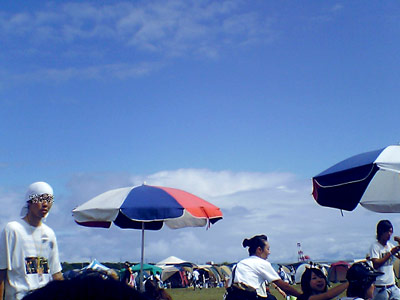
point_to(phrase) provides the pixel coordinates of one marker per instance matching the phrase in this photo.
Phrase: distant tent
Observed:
(224, 271)
(275, 266)
(174, 276)
(171, 260)
(147, 267)
(210, 273)
(299, 272)
(337, 271)
(396, 268)
(97, 266)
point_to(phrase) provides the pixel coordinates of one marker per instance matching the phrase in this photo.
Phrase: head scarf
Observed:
(36, 188)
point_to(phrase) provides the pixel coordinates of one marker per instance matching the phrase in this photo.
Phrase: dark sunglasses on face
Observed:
(41, 198)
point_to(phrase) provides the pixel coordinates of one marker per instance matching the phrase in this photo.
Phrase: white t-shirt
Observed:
(254, 271)
(30, 256)
(378, 251)
(196, 275)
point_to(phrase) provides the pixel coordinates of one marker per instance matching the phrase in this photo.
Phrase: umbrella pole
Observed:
(141, 262)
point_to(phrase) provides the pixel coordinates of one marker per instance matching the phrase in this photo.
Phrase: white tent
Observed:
(172, 260)
(97, 266)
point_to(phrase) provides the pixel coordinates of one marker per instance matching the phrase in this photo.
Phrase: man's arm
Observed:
(3, 275)
(287, 288)
(279, 290)
(57, 276)
(378, 262)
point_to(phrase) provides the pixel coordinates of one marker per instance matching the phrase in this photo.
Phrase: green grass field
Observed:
(203, 294)
(212, 293)
(206, 294)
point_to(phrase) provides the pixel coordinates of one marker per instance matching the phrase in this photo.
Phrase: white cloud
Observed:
(276, 204)
(156, 26)
(147, 34)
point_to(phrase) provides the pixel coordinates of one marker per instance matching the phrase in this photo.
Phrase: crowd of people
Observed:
(371, 279)
(30, 267)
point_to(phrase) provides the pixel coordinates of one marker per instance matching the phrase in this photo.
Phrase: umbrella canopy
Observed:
(147, 267)
(371, 179)
(146, 207)
(151, 206)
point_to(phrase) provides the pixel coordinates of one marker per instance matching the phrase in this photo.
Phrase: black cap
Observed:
(362, 271)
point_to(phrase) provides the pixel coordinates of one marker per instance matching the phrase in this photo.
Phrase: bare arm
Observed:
(378, 262)
(58, 276)
(3, 275)
(287, 288)
(331, 293)
(279, 290)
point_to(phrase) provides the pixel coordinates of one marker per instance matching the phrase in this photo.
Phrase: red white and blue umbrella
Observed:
(371, 179)
(146, 207)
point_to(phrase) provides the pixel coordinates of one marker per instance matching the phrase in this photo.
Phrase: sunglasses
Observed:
(41, 198)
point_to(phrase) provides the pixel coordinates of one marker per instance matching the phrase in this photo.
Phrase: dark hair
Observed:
(154, 292)
(382, 227)
(255, 242)
(358, 289)
(306, 278)
(89, 286)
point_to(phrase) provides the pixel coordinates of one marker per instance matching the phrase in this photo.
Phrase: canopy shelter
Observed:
(97, 266)
(337, 271)
(147, 267)
(174, 276)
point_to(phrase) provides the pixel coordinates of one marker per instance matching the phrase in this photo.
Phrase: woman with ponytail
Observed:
(250, 275)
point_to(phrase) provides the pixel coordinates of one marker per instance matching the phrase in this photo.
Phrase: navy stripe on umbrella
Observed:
(371, 179)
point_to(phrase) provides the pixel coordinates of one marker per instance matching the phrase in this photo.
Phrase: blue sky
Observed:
(240, 102)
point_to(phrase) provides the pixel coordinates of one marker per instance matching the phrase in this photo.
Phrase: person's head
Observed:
(153, 291)
(38, 200)
(384, 230)
(258, 245)
(313, 281)
(361, 277)
(90, 285)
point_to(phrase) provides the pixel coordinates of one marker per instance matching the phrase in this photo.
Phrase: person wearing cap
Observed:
(28, 247)
(382, 254)
(361, 277)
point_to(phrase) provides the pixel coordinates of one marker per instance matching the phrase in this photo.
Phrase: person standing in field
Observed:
(28, 247)
(382, 254)
(250, 274)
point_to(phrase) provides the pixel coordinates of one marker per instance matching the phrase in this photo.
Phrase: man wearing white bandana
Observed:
(28, 248)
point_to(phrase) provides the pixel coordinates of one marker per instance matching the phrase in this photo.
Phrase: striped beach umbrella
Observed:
(371, 179)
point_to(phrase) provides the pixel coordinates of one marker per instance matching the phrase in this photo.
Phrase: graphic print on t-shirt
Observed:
(390, 261)
(36, 265)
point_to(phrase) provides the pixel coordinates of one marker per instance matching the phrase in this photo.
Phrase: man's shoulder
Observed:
(13, 225)
(376, 245)
(48, 229)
